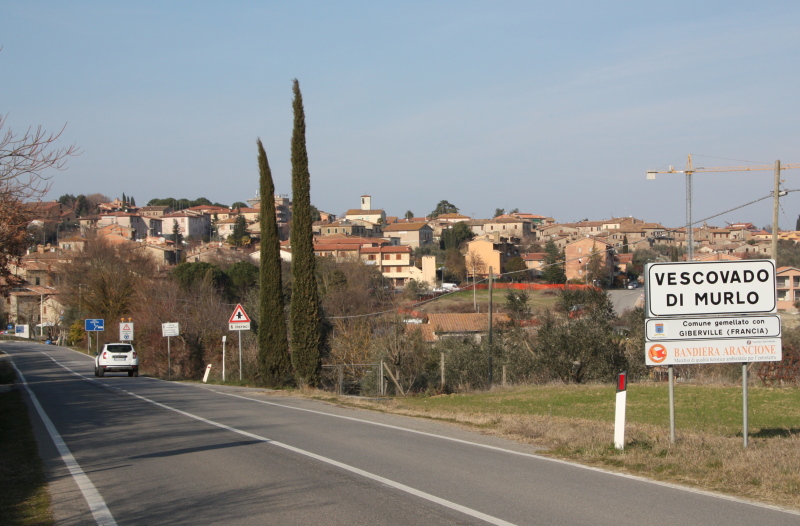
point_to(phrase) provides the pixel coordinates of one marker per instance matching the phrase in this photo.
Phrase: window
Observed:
(37, 281)
(399, 256)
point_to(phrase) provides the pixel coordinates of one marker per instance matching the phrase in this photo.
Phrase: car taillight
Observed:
(104, 355)
(133, 355)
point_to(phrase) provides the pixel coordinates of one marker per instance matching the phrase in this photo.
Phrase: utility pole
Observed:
(489, 352)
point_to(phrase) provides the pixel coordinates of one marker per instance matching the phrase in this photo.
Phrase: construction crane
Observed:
(651, 174)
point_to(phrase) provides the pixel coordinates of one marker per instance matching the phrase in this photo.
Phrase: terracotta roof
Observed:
(34, 290)
(35, 265)
(403, 227)
(425, 329)
(463, 322)
(202, 208)
(451, 216)
(358, 211)
(336, 247)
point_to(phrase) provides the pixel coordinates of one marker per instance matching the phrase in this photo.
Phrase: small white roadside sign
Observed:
(713, 328)
(170, 329)
(126, 331)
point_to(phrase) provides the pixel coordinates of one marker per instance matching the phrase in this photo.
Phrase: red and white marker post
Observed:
(619, 415)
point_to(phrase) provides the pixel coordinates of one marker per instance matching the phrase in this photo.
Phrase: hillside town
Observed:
(598, 252)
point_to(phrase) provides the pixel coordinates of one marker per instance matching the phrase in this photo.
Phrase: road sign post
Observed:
(711, 312)
(239, 321)
(94, 325)
(168, 330)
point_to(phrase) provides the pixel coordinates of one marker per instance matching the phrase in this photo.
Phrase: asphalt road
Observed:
(144, 451)
(624, 299)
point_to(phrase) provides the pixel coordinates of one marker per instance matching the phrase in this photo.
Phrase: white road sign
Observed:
(698, 288)
(713, 351)
(239, 320)
(713, 328)
(170, 329)
(126, 331)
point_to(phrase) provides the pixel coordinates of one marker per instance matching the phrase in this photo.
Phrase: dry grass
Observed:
(24, 499)
(715, 460)
(463, 301)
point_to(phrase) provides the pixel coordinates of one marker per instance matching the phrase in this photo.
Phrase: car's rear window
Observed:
(120, 348)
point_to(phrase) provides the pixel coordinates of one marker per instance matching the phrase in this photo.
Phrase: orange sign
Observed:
(657, 353)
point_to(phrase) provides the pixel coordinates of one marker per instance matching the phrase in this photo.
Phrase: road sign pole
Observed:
(169, 361)
(240, 355)
(671, 378)
(744, 402)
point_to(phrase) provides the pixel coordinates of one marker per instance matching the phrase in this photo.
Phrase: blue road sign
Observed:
(94, 325)
(11, 326)
(20, 329)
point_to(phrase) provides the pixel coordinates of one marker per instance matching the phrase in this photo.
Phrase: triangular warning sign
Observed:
(239, 315)
(126, 327)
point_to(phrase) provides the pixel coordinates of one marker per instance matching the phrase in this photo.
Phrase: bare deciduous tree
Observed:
(24, 160)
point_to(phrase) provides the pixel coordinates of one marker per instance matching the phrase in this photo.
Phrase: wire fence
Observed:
(353, 379)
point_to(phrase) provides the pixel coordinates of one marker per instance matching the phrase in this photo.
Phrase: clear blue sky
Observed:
(555, 108)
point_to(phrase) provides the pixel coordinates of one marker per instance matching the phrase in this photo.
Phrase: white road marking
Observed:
(476, 444)
(352, 469)
(100, 512)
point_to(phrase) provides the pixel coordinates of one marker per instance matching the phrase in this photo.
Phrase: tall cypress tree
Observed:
(306, 318)
(273, 344)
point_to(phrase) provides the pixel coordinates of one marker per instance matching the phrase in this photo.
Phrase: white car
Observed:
(116, 358)
(633, 284)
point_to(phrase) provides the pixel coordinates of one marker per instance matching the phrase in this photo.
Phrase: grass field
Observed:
(575, 422)
(463, 301)
(23, 489)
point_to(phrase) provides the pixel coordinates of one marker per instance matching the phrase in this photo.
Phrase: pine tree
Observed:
(239, 234)
(273, 344)
(177, 237)
(553, 264)
(306, 318)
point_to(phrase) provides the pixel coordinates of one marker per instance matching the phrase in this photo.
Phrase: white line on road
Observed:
(93, 498)
(486, 446)
(352, 469)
